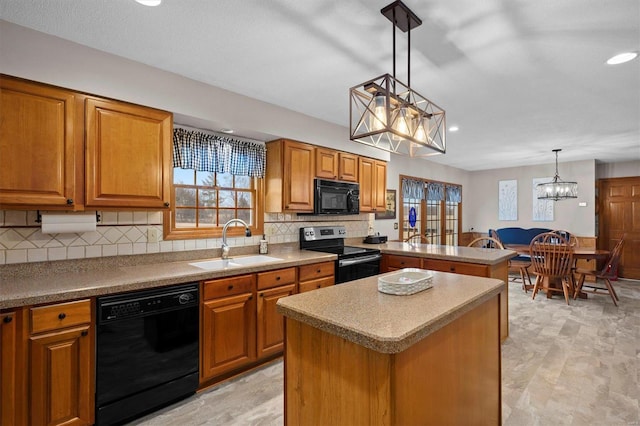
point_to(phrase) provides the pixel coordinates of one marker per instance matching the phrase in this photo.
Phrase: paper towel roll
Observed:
(68, 223)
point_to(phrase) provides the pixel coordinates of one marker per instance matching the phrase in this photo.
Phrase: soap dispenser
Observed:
(264, 248)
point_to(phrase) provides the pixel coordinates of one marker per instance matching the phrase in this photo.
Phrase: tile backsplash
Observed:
(125, 233)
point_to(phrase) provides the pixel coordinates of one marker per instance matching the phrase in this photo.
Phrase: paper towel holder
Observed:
(39, 217)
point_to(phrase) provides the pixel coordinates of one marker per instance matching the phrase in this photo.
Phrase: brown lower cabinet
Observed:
(47, 365)
(391, 262)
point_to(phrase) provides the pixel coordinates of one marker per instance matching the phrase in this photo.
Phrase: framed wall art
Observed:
(542, 209)
(390, 203)
(508, 200)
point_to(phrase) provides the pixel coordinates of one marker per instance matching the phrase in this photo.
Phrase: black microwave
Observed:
(335, 197)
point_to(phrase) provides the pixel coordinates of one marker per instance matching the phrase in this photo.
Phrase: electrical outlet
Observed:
(152, 235)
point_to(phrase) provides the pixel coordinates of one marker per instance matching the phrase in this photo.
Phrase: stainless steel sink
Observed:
(234, 262)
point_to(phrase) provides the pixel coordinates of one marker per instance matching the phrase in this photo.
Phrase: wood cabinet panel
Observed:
(270, 324)
(316, 284)
(393, 262)
(61, 315)
(8, 373)
(128, 160)
(61, 379)
(348, 167)
(456, 267)
(373, 184)
(225, 287)
(316, 270)
(276, 278)
(326, 163)
(41, 146)
(228, 334)
(289, 176)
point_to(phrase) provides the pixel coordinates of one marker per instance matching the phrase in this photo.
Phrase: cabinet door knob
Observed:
(7, 320)
(69, 201)
(251, 297)
(166, 204)
(62, 315)
(261, 294)
(84, 333)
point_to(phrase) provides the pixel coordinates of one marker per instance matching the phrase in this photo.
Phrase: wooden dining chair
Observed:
(551, 261)
(486, 242)
(608, 273)
(416, 239)
(520, 264)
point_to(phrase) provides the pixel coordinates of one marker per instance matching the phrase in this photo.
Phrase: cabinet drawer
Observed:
(457, 267)
(403, 262)
(223, 287)
(315, 284)
(317, 270)
(62, 315)
(276, 278)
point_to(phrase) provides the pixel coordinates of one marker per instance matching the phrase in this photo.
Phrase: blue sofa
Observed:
(518, 235)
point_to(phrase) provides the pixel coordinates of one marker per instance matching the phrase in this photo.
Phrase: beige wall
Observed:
(616, 170)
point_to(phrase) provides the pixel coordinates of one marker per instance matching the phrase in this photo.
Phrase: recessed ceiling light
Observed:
(228, 131)
(622, 58)
(150, 2)
(454, 128)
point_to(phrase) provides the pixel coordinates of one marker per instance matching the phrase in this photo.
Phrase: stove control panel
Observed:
(313, 233)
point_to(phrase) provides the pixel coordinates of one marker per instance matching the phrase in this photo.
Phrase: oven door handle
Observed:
(357, 260)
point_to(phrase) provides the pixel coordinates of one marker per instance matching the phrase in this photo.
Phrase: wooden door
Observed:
(380, 186)
(128, 160)
(61, 377)
(366, 172)
(8, 374)
(298, 176)
(348, 167)
(326, 163)
(270, 324)
(228, 334)
(619, 213)
(41, 146)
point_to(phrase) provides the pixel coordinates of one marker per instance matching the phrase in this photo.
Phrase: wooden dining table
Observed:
(578, 253)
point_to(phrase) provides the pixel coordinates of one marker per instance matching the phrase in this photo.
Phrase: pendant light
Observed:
(387, 114)
(557, 189)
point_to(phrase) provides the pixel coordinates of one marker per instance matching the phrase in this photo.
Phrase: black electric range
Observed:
(353, 262)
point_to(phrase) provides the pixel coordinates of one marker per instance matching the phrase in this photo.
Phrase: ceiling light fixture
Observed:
(389, 115)
(557, 189)
(622, 58)
(149, 2)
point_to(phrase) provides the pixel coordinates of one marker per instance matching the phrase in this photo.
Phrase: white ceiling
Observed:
(518, 77)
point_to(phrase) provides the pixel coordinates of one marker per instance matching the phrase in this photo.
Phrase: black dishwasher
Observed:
(146, 351)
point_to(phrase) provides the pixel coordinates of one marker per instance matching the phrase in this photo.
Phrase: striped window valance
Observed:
(435, 191)
(454, 194)
(413, 189)
(212, 153)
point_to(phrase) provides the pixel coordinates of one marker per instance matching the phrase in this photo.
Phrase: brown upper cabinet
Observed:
(373, 185)
(332, 164)
(128, 155)
(43, 144)
(289, 176)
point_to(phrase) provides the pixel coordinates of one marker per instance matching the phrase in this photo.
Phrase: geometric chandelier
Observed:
(387, 114)
(557, 189)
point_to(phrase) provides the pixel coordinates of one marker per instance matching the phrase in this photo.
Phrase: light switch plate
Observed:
(152, 235)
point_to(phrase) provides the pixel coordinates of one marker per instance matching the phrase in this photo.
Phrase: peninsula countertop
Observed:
(47, 282)
(478, 255)
(358, 312)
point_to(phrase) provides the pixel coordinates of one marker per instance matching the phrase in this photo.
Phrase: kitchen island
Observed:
(357, 356)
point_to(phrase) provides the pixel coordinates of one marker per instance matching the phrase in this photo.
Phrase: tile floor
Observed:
(562, 365)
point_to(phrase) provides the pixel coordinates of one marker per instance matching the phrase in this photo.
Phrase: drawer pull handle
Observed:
(318, 286)
(7, 320)
(230, 287)
(69, 201)
(261, 294)
(317, 271)
(250, 297)
(452, 269)
(84, 333)
(278, 278)
(62, 315)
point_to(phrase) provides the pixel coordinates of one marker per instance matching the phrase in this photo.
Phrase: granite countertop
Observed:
(358, 312)
(478, 255)
(30, 284)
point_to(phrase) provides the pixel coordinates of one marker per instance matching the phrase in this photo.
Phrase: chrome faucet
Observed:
(225, 246)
